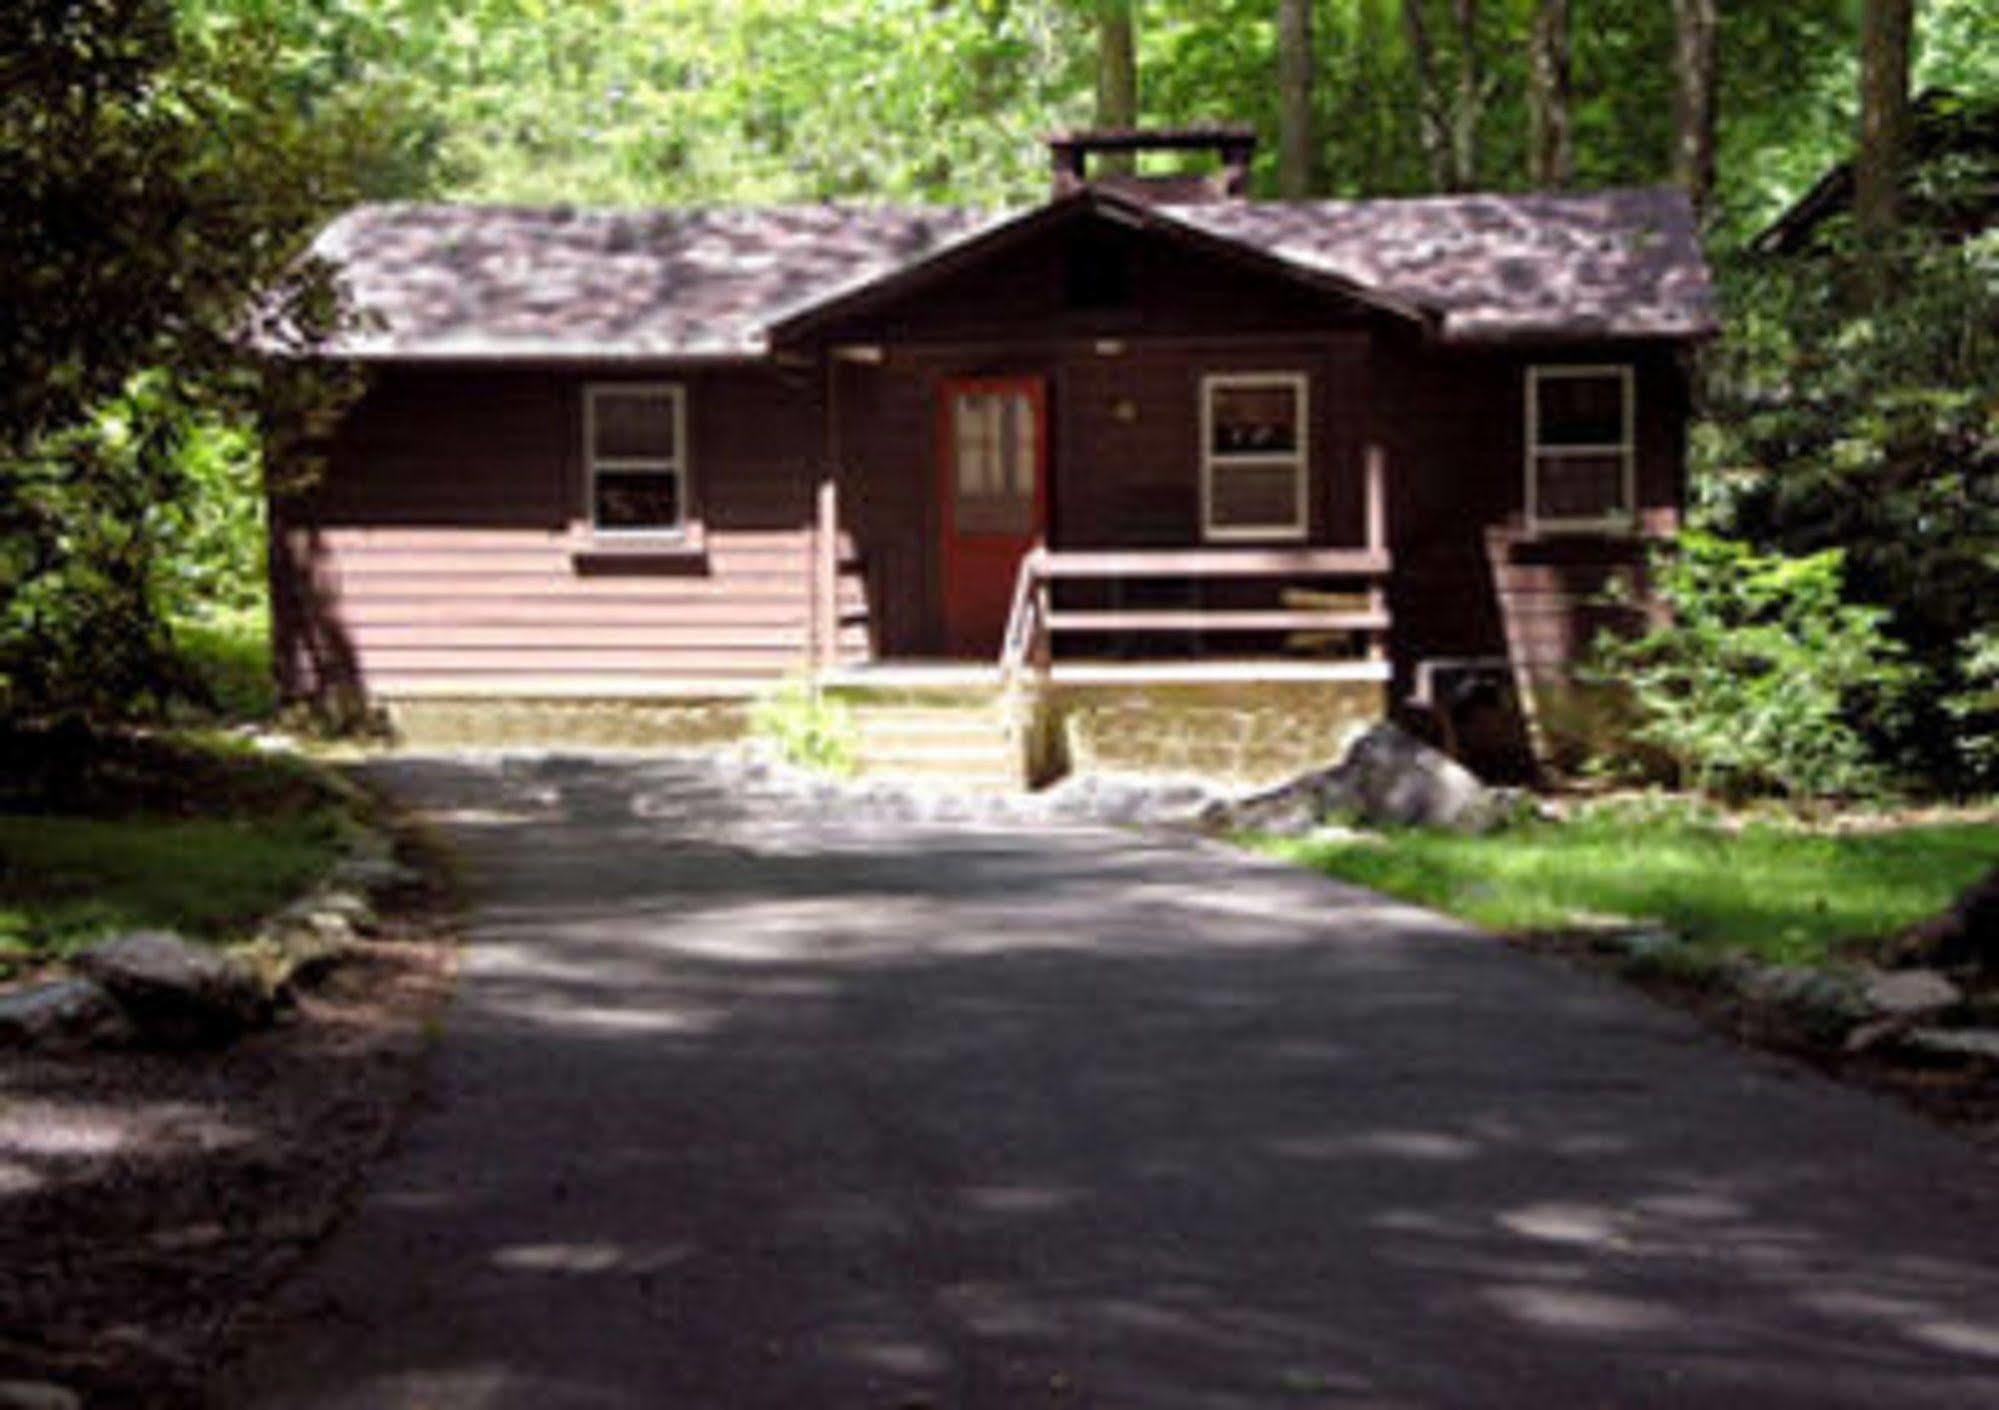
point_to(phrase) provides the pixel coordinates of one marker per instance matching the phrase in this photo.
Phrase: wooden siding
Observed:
(439, 550)
(1124, 463)
(1452, 425)
(438, 554)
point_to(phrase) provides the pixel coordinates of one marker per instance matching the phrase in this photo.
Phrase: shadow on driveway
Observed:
(743, 1111)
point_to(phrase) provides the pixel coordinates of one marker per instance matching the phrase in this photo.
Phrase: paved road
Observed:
(735, 1113)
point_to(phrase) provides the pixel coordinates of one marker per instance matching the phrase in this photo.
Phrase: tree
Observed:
(1694, 70)
(159, 171)
(1884, 112)
(1296, 152)
(1452, 112)
(1117, 70)
(1551, 155)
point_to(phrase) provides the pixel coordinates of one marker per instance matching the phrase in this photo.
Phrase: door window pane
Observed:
(995, 442)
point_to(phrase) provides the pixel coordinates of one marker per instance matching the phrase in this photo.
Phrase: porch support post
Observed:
(826, 574)
(1044, 636)
(1377, 542)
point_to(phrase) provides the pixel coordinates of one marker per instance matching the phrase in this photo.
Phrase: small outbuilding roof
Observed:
(449, 282)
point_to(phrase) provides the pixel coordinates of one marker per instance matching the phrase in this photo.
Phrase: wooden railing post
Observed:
(1377, 500)
(1377, 542)
(1044, 636)
(826, 574)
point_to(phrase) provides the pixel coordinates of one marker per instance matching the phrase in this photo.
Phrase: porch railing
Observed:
(1035, 621)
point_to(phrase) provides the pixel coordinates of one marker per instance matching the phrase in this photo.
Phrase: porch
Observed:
(1170, 615)
(1245, 663)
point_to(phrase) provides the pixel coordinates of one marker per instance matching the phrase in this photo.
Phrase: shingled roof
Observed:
(460, 281)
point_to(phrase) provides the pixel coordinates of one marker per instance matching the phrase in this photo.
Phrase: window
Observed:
(635, 447)
(1579, 457)
(1254, 453)
(994, 455)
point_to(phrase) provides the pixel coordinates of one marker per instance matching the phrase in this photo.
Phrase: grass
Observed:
(230, 652)
(200, 835)
(1779, 892)
(66, 881)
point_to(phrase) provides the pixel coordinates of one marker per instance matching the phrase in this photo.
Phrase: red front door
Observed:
(993, 440)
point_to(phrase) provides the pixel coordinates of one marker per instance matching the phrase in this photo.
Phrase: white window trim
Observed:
(1301, 385)
(1626, 451)
(676, 464)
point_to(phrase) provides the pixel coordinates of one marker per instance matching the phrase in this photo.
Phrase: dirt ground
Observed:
(147, 1200)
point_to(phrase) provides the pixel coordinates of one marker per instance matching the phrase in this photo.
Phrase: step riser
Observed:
(970, 743)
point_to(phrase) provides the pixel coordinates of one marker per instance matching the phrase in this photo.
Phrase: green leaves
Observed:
(1766, 679)
(1833, 419)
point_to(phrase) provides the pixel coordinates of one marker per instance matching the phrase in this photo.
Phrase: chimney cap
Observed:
(1233, 143)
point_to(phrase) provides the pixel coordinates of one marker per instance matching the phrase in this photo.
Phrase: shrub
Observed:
(1765, 679)
(1839, 417)
(809, 728)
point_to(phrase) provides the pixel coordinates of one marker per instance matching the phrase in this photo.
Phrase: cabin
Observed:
(1146, 475)
(1951, 187)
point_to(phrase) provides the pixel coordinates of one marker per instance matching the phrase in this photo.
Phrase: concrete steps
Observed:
(963, 742)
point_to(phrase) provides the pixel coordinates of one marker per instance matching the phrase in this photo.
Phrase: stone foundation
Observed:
(1239, 732)
(501, 723)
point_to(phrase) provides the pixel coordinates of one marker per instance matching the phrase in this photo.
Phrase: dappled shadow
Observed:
(1612, 263)
(144, 1196)
(744, 1109)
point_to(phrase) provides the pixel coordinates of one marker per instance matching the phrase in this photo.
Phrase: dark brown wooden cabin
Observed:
(1142, 427)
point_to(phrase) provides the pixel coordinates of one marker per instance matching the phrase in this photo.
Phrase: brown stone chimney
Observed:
(1070, 154)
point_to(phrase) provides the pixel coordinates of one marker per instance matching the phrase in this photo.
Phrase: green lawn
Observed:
(203, 836)
(230, 652)
(1782, 893)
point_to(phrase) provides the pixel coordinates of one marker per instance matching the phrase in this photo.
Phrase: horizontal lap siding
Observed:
(437, 554)
(1131, 480)
(1468, 582)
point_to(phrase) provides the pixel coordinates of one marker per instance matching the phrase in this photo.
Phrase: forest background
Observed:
(161, 161)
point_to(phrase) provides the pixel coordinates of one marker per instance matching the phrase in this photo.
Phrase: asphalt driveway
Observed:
(735, 1111)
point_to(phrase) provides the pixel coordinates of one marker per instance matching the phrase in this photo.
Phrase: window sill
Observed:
(1581, 528)
(636, 552)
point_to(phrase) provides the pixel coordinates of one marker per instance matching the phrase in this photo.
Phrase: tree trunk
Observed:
(1450, 117)
(1469, 110)
(1550, 155)
(1884, 113)
(1295, 147)
(1117, 74)
(1694, 51)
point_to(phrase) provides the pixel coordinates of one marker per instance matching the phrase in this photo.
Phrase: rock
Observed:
(1289, 810)
(1389, 777)
(1641, 943)
(61, 1013)
(1822, 1001)
(1869, 1036)
(330, 913)
(302, 920)
(377, 878)
(1909, 993)
(37, 1395)
(1119, 801)
(1956, 1042)
(1386, 778)
(176, 993)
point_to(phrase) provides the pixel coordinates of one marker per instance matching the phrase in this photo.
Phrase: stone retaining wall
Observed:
(1239, 732)
(500, 723)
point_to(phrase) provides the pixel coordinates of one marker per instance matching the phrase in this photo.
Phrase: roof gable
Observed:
(452, 282)
(978, 247)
